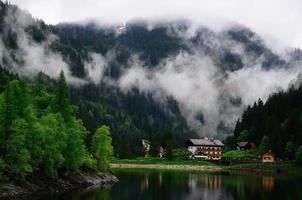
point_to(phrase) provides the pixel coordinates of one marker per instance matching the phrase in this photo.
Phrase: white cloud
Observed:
(272, 18)
(195, 82)
(95, 67)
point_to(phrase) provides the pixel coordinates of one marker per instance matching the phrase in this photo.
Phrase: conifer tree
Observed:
(61, 100)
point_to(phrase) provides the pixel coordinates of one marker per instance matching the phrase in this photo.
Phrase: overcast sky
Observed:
(279, 20)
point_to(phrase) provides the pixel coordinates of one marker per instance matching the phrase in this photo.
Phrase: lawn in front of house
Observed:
(162, 161)
(249, 154)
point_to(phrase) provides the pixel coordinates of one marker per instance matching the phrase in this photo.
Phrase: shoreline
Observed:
(167, 167)
(275, 168)
(24, 189)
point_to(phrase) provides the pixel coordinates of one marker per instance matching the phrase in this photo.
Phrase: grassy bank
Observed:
(157, 163)
(162, 162)
(278, 167)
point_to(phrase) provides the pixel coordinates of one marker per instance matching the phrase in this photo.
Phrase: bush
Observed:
(89, 162)
(180, 154)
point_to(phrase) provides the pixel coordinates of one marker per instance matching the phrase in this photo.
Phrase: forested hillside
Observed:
(279, 118)
(119, 78)
(40, 133)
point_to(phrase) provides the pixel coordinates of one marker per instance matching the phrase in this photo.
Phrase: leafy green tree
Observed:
(75, 151)
(264, 145)
(299, 155)
(102, 148)
(18, 157)
(39, 131)
(243, 136)
(290, 149)
(13, 106)
(169, 144)
(14, 102)
(53, 131)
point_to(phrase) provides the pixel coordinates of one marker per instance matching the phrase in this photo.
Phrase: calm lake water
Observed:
(153, 184)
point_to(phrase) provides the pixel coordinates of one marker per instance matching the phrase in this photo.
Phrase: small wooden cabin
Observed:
(268, 157)
(243, 146)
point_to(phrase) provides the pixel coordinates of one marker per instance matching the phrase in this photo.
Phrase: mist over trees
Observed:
(200, 98)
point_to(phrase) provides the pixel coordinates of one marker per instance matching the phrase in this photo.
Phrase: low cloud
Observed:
(270, 18)
(32, 56)
(209, 98)
(95, 67)
(202, 90)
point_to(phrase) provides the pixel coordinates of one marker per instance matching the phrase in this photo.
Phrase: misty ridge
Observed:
(213, 75)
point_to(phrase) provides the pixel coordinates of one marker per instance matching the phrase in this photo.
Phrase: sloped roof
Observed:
(269, 153)
(206, 142)
(242, 144)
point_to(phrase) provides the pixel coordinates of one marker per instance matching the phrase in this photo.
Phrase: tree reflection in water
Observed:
(176, 185)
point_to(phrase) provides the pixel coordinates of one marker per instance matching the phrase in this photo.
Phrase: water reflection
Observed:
(207, 186)
(268, 182)
(148, 184)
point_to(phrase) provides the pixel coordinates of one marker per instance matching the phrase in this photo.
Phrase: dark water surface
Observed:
(153, 184)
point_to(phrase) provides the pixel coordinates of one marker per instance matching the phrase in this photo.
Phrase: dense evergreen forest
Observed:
(39, 131)
(131, 115)
(278, 120)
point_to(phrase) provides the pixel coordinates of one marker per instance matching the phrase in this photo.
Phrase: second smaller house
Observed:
(146, 146)
(243, 146)
(268, 157)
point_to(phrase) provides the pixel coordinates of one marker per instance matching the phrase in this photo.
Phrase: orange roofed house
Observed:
(268, 157)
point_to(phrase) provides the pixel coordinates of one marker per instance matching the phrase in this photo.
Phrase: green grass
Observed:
(286, 166)
(240, 154)
(162, 161)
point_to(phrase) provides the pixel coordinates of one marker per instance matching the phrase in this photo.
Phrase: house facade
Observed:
(146, 147)
(206, 149)
(268, 157)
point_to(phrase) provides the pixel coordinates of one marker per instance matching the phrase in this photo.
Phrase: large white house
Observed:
(206, 149)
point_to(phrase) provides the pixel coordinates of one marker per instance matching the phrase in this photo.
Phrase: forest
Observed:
(40, 132)
(277, 122)
(133, 115)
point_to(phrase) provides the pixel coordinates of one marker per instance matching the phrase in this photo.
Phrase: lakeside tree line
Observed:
(39, 131)
(277, 123)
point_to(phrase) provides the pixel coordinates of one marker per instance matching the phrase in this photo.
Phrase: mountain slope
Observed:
(151, 77)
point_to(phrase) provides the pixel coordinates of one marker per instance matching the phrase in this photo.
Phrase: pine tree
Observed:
(61, 100)
(264, 146)
(14, 103)
(42, 99)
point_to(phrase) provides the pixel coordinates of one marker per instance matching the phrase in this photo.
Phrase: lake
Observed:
(154, 184)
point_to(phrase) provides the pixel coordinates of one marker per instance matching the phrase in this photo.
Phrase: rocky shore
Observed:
(68, 182)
